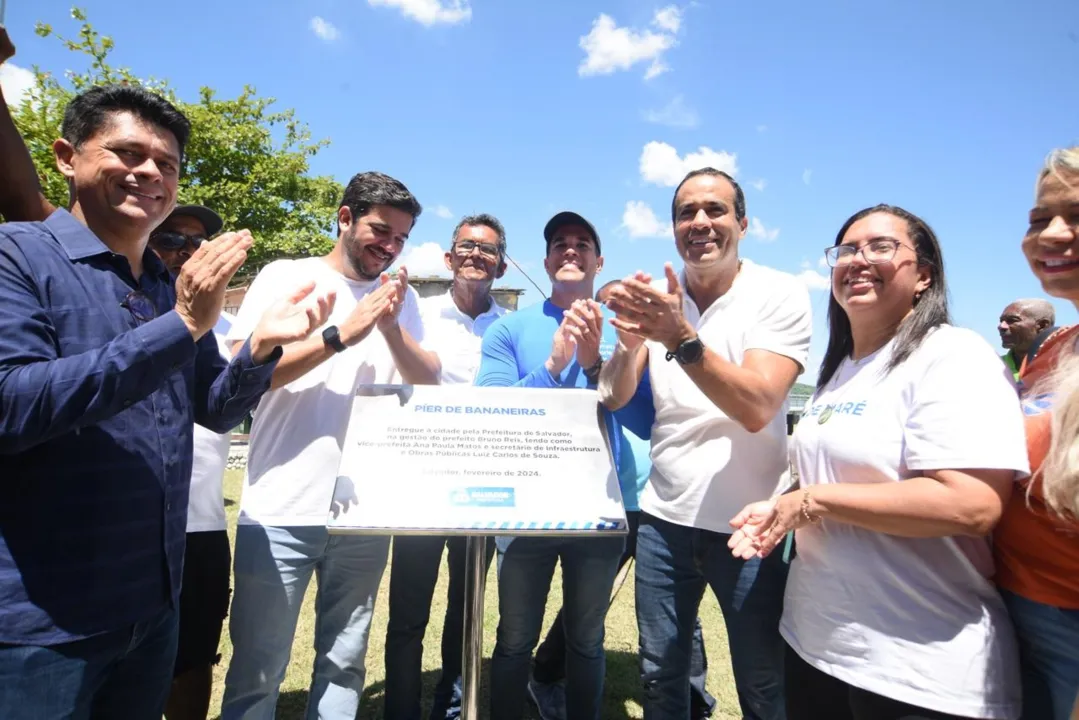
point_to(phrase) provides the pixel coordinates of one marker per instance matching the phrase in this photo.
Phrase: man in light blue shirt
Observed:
(550, 345)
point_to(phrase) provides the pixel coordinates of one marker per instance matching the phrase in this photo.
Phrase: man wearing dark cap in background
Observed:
(519, 351)
(204, 595)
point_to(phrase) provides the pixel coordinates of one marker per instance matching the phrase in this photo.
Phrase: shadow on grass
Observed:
(621, 692)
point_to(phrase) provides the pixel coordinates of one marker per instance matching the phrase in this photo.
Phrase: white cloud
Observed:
(758, 231)
(324, 29)
(640, 221)
(815, 280)
(807, 175)
(443, 212)
(823, 262)
(675, 114)
(669, 19)
(661, 164)
(609, 48)
(430, 12)
(759, 185)
(16, 82)
(426, 260)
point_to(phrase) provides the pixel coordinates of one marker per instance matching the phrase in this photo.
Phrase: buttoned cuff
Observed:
(252, 374)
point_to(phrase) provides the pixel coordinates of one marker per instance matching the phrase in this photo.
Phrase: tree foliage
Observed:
(246, 160)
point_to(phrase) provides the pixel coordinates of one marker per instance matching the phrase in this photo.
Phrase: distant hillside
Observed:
(802, 389)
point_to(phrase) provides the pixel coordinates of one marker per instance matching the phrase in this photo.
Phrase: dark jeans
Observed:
(413, 575)
(674, 564)
(550, 663)
(813, 695)
(1048, 656)
(525, 568)
(124, 674)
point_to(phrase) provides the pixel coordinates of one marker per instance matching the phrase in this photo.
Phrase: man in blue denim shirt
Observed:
(104, 368)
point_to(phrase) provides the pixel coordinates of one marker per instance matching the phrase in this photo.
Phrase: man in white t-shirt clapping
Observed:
(453, 326)
(723, 343)
(372, 336)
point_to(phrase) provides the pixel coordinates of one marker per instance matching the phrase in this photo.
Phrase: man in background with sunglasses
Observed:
(204, 596)
(453, 325)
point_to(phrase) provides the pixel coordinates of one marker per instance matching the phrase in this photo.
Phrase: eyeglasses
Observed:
(140, 306)
(173, 241)
(464, 248)
(875, 252)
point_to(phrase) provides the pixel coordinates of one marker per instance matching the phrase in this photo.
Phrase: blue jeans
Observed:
(121, 674)
(525, 568)
(674, 564)
(273, 567)
(1048, 656)
(550, 665)
(413, 575)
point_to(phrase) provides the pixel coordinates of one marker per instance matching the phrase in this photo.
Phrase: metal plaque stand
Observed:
(472, 654)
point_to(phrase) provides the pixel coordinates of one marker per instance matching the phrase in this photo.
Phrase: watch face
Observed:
(691, 351)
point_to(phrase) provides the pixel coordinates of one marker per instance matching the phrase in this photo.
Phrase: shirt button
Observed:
(168, 506)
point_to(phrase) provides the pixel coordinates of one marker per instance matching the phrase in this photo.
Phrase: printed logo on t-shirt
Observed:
(830, 410)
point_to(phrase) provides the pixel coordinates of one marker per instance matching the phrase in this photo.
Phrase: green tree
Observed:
(246, 160)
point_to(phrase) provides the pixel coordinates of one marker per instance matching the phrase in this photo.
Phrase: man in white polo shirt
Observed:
(453, 326)
(723, 343)
(372, 335)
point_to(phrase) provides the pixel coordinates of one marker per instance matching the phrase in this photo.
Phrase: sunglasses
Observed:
(140, 306)
(173, 241)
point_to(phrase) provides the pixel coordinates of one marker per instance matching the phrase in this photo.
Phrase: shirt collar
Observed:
(79, 242)
(450, 309)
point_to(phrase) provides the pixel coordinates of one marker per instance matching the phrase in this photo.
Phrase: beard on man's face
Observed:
(368, 261)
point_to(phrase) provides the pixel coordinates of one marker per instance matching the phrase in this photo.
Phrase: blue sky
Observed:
(524, 108)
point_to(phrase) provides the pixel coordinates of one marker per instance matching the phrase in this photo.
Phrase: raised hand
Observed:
(400, 287)
(584, 320)
(363, 318)
(562, 349)
(290, 319)
(643, 310)
(201, 284)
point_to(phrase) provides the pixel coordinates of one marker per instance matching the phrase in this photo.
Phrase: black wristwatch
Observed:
(592, 373)
(688, 352)
(332, 337)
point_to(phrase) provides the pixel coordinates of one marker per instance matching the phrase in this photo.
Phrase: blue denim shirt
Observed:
(96, 433)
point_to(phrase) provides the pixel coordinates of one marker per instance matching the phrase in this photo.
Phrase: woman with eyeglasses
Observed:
(905, 458)
(1037, 541)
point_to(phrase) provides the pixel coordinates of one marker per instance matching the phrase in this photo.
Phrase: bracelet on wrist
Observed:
(810, 517)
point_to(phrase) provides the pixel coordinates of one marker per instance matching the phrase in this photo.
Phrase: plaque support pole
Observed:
(472, 654)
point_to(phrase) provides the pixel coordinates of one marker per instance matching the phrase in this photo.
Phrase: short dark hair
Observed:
(90, 111)
(368, 189)
(739, 196)
(930, 309)
(486, 220)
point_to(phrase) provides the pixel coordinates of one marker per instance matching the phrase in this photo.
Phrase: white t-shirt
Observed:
(455, 337)
(298, 430)
(206, 507)
(913, 619)
(705, 466)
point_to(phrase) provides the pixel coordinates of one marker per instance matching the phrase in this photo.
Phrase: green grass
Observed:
(622, 690)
